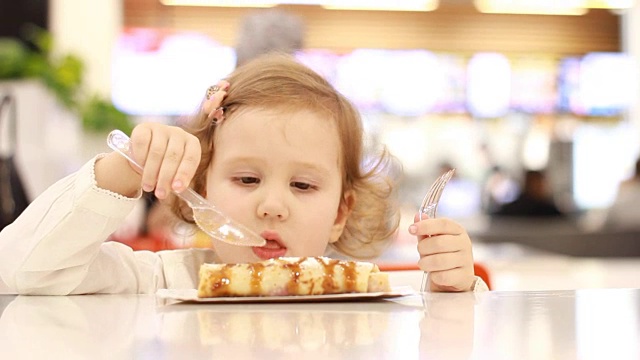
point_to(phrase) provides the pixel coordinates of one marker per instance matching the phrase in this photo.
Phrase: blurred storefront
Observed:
(475, 90)
(453, 85)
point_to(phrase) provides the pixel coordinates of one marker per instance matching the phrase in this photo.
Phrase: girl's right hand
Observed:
(168, 154)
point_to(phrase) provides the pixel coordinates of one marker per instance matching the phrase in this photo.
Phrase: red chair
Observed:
(479, 269)
(151, 242)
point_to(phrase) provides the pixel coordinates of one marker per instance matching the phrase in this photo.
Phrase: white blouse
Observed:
(57, 246)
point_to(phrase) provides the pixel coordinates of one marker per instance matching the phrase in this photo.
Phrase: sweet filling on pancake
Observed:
(291, 276)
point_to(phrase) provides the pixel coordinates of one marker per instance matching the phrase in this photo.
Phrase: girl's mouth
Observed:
(272, 249)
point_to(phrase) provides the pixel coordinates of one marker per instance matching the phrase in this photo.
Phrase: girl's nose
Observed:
(273, 206)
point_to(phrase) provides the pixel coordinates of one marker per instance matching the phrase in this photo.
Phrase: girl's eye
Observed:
(248, 180)
(301, 186)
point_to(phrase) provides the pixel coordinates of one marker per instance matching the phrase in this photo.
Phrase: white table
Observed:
(583, 324)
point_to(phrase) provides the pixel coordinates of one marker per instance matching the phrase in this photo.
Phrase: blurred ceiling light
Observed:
(220, 3)
(398, 5)
(386, 5)
(609, 4)
(537, 7)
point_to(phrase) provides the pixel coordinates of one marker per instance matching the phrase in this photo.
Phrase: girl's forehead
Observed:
(263, 132)
(278, 117)
(283, 110)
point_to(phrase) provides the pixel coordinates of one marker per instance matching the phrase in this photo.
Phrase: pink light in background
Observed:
(166, 74)
(359, 77)
(324, 62)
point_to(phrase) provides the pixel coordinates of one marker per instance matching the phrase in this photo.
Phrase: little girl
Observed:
(275, 147)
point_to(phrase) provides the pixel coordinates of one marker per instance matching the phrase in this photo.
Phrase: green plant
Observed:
(62, 75)
(99, 115)
(13, 58)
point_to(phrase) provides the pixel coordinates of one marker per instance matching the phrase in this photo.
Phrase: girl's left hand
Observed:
(445, 252)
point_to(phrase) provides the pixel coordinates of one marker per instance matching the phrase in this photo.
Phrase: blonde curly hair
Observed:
(375, 215)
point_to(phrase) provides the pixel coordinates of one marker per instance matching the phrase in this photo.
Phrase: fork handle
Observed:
(120, 142)
(429, 211)
(425, 281)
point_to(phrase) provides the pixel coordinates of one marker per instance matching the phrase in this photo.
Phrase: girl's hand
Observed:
(168, 154)
(445, 252)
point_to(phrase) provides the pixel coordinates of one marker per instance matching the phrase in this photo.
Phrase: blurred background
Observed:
(535, 103)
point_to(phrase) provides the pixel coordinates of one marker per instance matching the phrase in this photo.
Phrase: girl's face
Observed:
(280, 175)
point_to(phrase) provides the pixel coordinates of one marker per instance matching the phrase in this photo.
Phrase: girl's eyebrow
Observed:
(312, 167)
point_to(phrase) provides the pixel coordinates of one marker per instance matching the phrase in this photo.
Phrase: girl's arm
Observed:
(56, 245)
(56, 242)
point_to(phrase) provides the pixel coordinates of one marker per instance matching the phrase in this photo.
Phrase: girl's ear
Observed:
(344, 211)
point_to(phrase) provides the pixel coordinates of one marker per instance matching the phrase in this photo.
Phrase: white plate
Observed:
(191, 296)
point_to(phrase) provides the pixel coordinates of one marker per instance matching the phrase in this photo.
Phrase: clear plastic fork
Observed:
(429, 207)
(208, 218)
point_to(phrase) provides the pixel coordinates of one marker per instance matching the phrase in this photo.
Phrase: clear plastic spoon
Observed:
(209, 219)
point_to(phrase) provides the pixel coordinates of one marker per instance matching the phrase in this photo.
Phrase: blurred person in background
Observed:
(534, 200)
(623, 213)
(270, 30)
(499, 188)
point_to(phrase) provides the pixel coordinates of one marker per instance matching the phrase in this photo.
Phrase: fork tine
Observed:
(428, 197)
(431, 198)
(445, 179)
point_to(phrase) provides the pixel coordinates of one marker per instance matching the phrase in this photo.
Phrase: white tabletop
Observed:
(583, 324)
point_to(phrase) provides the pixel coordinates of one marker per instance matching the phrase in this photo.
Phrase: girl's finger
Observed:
(458, 279)
(170, 162)
(431, 227)
(188, 166)
(441, 244)
(140, 140)
(441, 262)
(155, 156)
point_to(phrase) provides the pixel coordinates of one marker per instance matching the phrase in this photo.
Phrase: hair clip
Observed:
(212, 90)
(214, 114)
